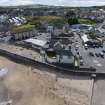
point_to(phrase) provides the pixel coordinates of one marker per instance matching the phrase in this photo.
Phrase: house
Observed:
(3, 18)
(50, 29)
(17, 20)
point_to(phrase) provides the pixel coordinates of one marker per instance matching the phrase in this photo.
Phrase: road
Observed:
(100, 27)
(99, 93)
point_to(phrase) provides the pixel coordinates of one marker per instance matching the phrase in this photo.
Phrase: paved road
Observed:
(3, 93)
(99, 93)
(100, 27)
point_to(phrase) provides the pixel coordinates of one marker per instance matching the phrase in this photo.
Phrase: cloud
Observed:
(15, 2)
(53, 2)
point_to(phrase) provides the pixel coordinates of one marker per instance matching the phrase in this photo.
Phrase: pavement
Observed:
(3, 93)
(22, 51)
(99, 93)
(100, 27)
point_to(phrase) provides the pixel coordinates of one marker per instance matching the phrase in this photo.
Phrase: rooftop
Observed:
(37, 42)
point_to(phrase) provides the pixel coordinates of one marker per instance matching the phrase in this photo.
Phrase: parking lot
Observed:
(94, 60)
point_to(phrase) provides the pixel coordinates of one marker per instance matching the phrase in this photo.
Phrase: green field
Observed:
(22, 28)
(52, 19)
(46, 19)
(86, 21)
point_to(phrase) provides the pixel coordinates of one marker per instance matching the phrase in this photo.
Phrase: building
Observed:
(4, 25)
(59, 50)
(97, 15)
(17, 20)
(85, 38)
(36, 43)
(3, 18)
(23, 35)
(81, 27)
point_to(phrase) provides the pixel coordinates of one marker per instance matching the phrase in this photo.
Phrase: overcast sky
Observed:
(53, 2)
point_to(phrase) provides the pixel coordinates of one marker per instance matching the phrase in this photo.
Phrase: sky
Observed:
(53, 2)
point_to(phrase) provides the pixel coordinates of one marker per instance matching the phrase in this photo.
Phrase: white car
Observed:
(86, 46)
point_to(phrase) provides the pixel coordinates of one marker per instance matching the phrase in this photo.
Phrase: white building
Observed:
(36, 43)
(85, 38)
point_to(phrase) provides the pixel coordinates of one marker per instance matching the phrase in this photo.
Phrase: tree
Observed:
(71, 17)
(73, 21)
(70, 14)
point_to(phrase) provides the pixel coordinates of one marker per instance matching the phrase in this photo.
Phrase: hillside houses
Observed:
(17, 20)
(92, 14)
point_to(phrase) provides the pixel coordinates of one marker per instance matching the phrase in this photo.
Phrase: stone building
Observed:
(23, 35)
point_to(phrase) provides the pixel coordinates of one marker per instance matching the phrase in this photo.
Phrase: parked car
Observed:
(103, 51)
(97, 46)
(101, 54)
(77, 46)
(97, 54)
(94, 46)
(91, 53)
(86, 46)
(101, 46)
(103, 26)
